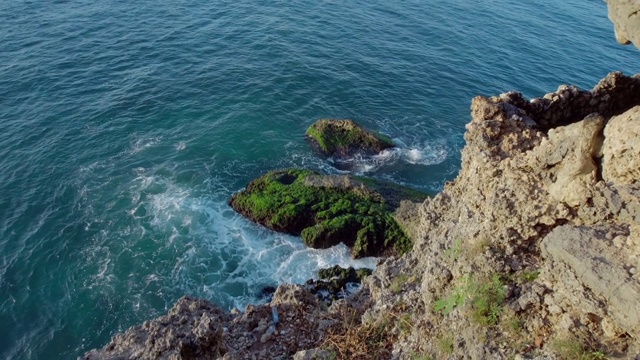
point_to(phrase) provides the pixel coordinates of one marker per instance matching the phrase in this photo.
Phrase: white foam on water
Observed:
(415, 154)
(428, 154)
(303, 264)
(177, 239)
(257, 257)
(138, 144)
(213, 252)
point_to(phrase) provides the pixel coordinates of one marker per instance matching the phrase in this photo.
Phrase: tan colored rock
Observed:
(571, 150)
(621, 148)
(625, 15)
(313, 354)
(591, 259)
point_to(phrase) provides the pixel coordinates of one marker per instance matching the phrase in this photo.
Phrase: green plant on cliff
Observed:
(322, 215)
(455, 299)
(455, 250)
(486, 302)
(397, 283)
(572, 347)
(445, 343)
(484, 299)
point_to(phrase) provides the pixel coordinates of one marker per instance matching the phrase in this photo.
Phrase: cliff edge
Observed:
(533, 250)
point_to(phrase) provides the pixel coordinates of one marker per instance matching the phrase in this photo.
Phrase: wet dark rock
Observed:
(336, 282)
(266, 293)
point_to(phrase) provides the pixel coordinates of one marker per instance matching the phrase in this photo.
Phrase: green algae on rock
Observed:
(324, 210)
(347, 275)
(344, 138)
(333, 283)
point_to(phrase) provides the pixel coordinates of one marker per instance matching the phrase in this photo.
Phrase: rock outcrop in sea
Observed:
(328, 209)
(345, 138)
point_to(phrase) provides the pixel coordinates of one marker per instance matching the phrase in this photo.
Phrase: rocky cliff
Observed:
(533, 251)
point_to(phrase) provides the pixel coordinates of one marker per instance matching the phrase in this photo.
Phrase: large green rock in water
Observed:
(344, 138)
(324, 210)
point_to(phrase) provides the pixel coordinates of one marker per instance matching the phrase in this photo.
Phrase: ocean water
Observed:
(126, 125)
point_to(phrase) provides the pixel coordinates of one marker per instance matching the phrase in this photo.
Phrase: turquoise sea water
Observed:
(125, 127)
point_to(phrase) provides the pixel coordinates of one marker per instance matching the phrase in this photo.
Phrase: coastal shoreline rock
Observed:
(192, 329)
(492, 239)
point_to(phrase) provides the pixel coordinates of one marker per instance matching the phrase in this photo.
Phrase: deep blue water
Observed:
(126, 125)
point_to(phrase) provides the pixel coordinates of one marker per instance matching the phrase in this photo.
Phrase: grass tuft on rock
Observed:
(293, 201)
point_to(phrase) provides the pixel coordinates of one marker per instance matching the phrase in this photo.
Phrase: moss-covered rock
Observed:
(344, 138)
(333, 283)
(348, 275)
(324, 210)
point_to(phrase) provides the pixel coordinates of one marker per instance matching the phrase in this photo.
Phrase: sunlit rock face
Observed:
(625, 15)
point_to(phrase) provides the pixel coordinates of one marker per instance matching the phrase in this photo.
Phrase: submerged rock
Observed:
(345, 138)
(326, 210)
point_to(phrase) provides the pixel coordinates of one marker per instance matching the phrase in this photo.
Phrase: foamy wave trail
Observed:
(180, 240)
(236, 259)
(416, 154)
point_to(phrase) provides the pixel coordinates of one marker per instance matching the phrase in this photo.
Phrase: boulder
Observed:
(345, 138)
(625, 15)
(621, 161)
(592, 260)
(326, 210)
(568, 153)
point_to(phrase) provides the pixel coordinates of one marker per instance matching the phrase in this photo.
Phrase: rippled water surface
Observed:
(126, 125)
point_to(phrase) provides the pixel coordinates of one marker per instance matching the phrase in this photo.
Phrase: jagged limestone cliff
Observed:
(533, 249)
